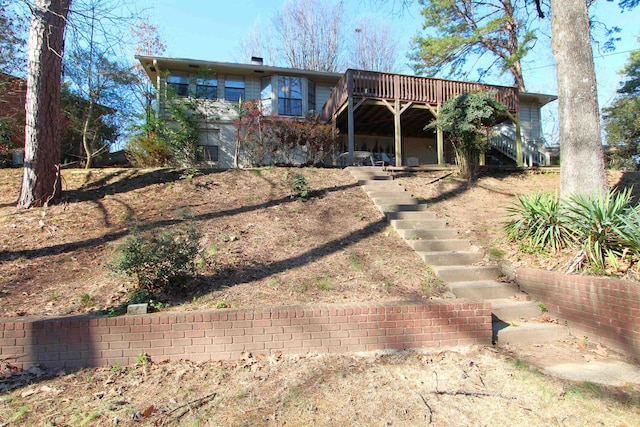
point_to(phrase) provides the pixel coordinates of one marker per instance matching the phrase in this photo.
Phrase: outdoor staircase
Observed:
(456, 262)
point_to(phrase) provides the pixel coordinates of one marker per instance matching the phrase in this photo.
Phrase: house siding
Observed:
(530, 120)
(220, 115)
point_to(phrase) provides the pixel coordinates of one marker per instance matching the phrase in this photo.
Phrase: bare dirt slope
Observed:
(261, 247)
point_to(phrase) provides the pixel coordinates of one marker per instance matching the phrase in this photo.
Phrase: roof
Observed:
(541, 98)
(154, 65)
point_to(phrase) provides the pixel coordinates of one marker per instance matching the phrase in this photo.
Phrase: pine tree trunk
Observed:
(581, 153)
(40, 182)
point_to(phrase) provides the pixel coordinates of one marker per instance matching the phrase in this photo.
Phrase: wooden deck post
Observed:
(396, 120)
(439, 140)
(350, 130)
(350, 122)
(398, 132)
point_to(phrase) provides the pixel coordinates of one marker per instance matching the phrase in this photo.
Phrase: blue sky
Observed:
(211, 29)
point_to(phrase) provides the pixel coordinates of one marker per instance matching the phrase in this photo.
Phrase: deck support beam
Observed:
(397, 132)
(350, 130)
(397, 109)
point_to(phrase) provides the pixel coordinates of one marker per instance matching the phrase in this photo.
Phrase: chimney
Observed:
(256, 60)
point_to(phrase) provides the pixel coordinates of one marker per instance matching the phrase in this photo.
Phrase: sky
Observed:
(211, 29)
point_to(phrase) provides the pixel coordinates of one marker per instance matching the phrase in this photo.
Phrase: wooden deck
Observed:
(392, 87)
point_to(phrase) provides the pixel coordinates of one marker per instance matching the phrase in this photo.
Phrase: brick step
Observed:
(412, 224)
(441, 258)
(483, 288)
(440, 245)
(416, 215)
(528, 332)
(465, 273)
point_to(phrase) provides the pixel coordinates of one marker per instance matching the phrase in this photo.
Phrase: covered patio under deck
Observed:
(394, 107)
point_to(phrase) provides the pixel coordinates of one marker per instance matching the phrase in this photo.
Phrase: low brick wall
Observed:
(606, 308)
(76, 342)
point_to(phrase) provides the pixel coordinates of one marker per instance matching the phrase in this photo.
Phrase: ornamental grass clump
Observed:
(605, 227)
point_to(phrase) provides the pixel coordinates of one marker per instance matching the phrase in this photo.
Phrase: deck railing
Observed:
(389, 86)
(532, 153)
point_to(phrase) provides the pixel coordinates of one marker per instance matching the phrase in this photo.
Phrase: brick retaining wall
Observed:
(84, 341)
(603, 307)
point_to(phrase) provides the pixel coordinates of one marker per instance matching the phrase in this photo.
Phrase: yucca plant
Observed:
(607, 226)
(539, 219)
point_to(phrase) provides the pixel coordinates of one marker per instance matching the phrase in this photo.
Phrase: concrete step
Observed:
(440, 245)
(356, 169)
(482, 288)
(413, 224)
(507, 309)
(417, 235)
(528, 332)
(378, 194)
(397, 200)
(378, 182)
(403, 208)
(375, 178)
(465, 273)
(416, 215)
(451, 257)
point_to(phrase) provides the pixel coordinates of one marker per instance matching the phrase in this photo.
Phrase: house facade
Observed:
(381, 113)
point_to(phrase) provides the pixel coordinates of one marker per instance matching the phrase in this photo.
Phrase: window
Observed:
(207, 87)
(312, 95)
(207, 150)
(265, 95)
(207, 153)
(234, 88)
(289, 96)
(178, 84)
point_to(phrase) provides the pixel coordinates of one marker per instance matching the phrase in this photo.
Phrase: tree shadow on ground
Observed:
(233, 276)
(8, 255)
(630, 180)
(127, 180)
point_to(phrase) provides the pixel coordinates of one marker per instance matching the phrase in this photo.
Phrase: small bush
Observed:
(149, 151)
(160, 262)
(299, 186)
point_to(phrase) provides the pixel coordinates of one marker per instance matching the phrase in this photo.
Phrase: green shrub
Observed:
(160, 262)
(149, 151)
(539, 219)
(607, 226)
(299, 186)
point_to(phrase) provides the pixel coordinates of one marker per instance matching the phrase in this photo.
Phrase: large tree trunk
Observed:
(40, 182)
(581, 153)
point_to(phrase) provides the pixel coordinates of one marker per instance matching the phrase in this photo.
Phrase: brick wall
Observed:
(83, 341)
(608, 309)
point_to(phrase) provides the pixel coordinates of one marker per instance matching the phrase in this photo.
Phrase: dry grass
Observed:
(472, 387)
